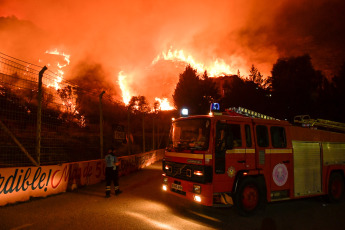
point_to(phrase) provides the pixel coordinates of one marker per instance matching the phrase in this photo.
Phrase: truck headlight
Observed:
(165, 180)
(197, 198)
(198, 173)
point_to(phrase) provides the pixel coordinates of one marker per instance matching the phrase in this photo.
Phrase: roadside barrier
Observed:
(18, 184)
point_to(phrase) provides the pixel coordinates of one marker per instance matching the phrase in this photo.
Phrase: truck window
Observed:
(235, 131)
(262, 135)
(189, 134)
(278, 137)
(248, 136)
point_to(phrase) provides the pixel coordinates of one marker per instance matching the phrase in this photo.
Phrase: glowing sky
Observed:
(128, 35)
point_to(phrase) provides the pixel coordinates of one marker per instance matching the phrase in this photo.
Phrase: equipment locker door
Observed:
(274, 159)
(281, 163)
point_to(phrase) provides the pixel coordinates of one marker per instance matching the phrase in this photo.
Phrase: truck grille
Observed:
(186, 172)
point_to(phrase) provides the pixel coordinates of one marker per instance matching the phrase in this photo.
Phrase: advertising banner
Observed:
(22, 183)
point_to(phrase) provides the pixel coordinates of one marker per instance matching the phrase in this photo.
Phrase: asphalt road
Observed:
(143, 205)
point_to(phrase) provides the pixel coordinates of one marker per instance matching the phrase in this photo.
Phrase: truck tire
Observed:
(335, 188)
(249, 197)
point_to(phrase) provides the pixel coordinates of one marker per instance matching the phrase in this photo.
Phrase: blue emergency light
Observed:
(215, 107)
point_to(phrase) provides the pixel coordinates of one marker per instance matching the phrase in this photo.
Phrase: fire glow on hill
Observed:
(140, 47)
(215, 69)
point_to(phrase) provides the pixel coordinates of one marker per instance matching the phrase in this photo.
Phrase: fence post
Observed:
(143, 132)
(128, 131)
(153, 133)
(39, 115)
(101, 123)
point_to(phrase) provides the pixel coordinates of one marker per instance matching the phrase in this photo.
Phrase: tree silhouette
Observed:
(209, 91)
(337, 96)
(194, 93)
(296, 86)
(139, 105)
(255, 76)
(242, 93)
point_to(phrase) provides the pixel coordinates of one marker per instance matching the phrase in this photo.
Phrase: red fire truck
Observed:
(247, 159)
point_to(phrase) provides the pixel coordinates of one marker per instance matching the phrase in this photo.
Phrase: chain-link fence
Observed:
(70, 124)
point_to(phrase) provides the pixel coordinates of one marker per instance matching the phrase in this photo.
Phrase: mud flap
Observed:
(226, 199)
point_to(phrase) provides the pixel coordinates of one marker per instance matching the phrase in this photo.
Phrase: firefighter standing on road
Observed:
(111, 173)
(116, 176)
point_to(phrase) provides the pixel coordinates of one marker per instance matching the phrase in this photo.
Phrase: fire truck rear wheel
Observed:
(249, 197)
(336, 188)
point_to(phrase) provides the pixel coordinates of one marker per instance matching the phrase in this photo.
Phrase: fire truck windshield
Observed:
(190, 134)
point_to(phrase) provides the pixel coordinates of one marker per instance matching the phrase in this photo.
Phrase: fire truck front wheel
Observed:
(335, 187)
(249, 197)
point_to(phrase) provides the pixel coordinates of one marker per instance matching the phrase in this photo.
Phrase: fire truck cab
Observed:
(247, 159)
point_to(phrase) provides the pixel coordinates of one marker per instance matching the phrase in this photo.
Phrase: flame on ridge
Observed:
(215, 69)
(164, 104)
(60, 73)
(56, 52)
(127, 95)
(69, 105)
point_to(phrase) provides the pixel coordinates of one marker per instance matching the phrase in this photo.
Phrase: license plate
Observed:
(176, 186)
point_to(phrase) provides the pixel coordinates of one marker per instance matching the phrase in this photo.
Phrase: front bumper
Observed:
(185, 189)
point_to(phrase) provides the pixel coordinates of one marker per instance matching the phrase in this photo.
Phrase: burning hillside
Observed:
(140, 47)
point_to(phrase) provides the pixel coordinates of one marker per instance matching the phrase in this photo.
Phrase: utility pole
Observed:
(128, 131)
(153, 133)
(101, 123)
(143, 132)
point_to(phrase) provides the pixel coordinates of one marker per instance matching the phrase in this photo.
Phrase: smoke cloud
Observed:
(128, 35)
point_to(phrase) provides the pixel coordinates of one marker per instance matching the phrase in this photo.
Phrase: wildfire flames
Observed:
(142, 45)
(124, 88)
(127, 95)
(164, 104)
(122, 81)
(69, 104)
(215, 69)
(60, 72)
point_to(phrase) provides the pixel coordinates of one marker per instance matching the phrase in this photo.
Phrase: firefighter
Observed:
(116, 175)
(111, 174)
